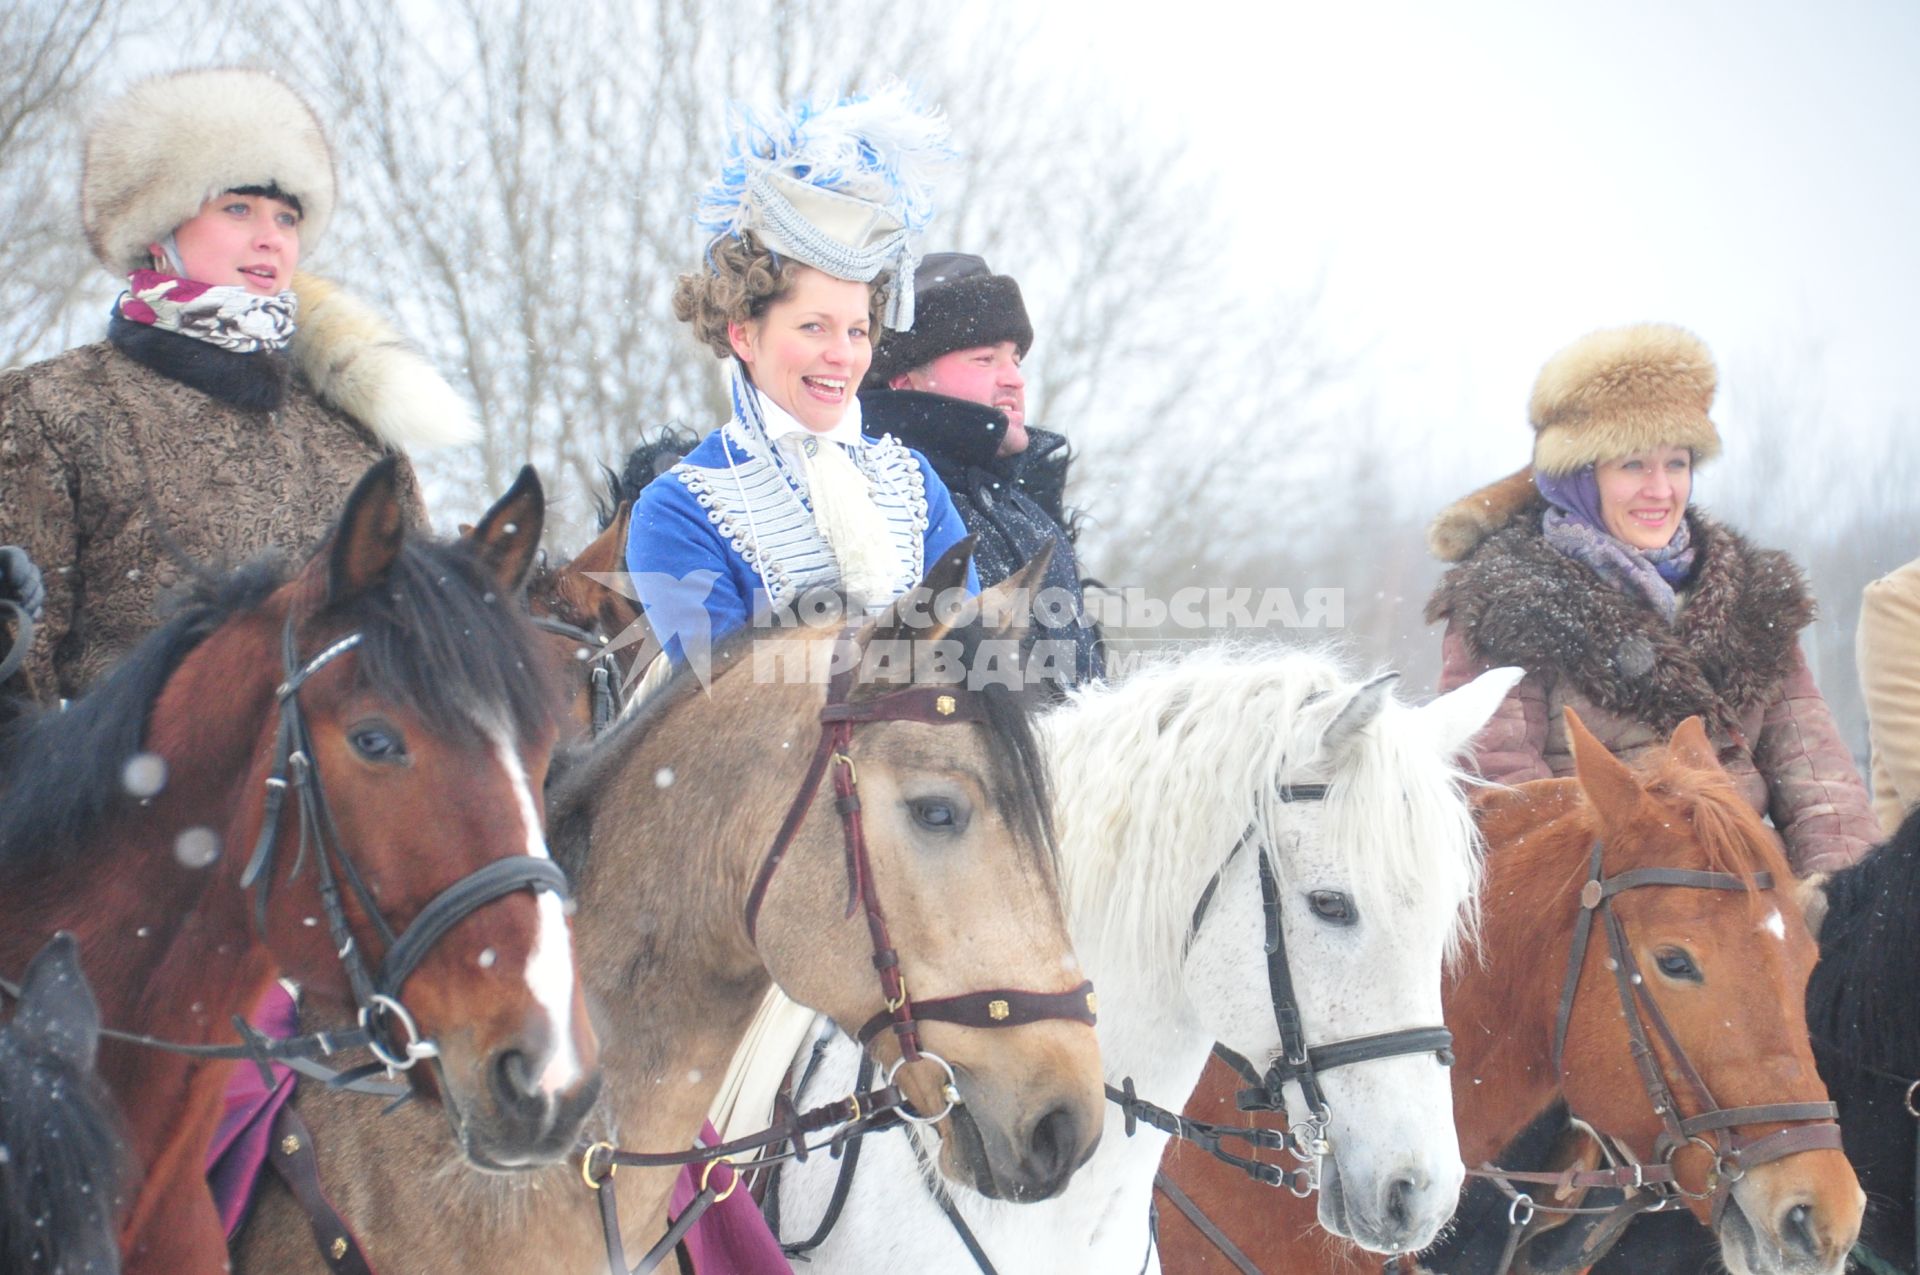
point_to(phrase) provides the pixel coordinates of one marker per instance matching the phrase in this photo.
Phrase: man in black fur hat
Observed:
(951, 388)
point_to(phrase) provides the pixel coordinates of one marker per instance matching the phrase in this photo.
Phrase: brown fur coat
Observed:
(1733, 658)
(124, 462)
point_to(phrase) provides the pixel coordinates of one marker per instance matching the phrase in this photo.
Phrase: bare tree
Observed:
(50, 54)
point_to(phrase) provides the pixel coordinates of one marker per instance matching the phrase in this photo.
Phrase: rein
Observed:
(1713, 1130)
(999, 1007)
(375, 994)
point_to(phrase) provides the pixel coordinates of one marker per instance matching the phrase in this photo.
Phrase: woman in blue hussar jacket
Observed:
(812, 223)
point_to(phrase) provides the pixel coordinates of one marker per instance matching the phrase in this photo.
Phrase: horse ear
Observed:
(1461, 712)
(56, 1005)
(508, 536)
(370, 533)
(913, 614)
(1608, 782)
(1360, 709)
(1691, 747)
(1007, 607)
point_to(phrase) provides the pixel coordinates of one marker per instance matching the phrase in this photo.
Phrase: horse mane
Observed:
(1018, 779)
(1856, 1001)
(63, 768)
(1728, 830)
(439, 638)
(656, 453)
(1161, 775)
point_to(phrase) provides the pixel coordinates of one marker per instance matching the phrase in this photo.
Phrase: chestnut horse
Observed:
(384, 691)
(1726, 967)
(666, 828)
(61, 1177)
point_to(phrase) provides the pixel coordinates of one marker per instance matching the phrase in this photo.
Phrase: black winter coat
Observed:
(1012, 505)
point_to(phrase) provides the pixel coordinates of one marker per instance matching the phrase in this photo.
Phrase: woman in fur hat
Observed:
(234, 402)
(1591, 570)
(813, 222)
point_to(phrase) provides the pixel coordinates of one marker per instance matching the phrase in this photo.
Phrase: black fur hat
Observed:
(960, 304)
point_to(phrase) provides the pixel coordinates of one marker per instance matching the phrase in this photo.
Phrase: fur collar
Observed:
(255, 382)
(351, 357)
(358, 364)
(1518, 601)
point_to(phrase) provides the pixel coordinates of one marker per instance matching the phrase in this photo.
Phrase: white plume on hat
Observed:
(843, 186)
(158, 152)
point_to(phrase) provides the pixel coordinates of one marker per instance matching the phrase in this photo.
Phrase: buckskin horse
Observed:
(705, 868)
(1613, 903)
(1191, 798)
(332, 773)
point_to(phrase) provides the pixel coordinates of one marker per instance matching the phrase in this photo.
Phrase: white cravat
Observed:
(842, 498)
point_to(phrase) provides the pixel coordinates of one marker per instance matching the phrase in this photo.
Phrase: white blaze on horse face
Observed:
(550, 965)
(1775, 926)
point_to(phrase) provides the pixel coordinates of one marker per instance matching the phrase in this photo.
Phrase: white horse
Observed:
(1158, 783)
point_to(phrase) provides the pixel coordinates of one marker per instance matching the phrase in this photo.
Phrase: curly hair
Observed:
(743, 281)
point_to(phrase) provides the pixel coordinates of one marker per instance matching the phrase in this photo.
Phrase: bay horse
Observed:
(1726, 966)
(62, 1167)
(1171, 788)
(294, 767)
(666, 829)
(1866, 1037)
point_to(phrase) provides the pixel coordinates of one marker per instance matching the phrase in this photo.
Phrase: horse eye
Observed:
(377, 743)
(1332, 906)
(1676, 964)
(936, 814)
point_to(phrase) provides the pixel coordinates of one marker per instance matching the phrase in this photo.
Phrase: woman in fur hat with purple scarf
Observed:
(1590, 570)
(234, 402)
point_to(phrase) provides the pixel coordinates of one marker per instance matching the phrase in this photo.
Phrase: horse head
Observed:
(1701, 976)
(405, 818)
(953, 809)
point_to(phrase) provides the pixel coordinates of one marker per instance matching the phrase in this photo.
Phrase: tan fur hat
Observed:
(1620, 391)
(162, 149)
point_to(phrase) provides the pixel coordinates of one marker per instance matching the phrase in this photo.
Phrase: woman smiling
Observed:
(1593, 571)
(812, 223)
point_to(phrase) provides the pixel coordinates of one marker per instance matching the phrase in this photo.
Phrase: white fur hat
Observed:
(163, 148)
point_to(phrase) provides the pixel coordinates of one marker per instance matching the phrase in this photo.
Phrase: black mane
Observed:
(656, 454)
(439, 638)
(1858, 1000)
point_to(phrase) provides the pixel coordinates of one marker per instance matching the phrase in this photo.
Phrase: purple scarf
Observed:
(1574, 526)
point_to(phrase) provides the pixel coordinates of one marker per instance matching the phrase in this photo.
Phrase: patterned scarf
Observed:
(226, 315)
(1648, 573)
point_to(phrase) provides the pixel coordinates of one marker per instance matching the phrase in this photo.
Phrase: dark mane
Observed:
(62, 769)
(1019, 781)
(439, 638)
(1858, 999)
(657, 452)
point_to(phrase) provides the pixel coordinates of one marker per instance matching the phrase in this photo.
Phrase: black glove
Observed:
(20, 581)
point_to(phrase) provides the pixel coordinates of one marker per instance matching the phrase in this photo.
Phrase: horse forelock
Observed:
(441, 638)
(1158, 777)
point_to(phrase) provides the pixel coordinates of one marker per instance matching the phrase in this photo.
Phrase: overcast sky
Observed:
(1480, 182)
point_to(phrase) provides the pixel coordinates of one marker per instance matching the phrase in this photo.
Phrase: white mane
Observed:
(1157, 778)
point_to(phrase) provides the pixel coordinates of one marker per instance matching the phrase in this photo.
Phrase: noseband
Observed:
(1713, 1129)
(392, 1034)
(929, 706)
(1298, 1061)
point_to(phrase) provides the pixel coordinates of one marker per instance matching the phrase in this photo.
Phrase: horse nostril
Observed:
(1796, 1230)
(1052, 1145)
(513, 1083)
(1401, 1193)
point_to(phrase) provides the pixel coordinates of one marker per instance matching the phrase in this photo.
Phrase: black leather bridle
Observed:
(375, 993)
(1298, 1061)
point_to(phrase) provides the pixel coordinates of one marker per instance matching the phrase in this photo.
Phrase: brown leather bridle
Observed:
(1715, 1129)
(930, 706)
